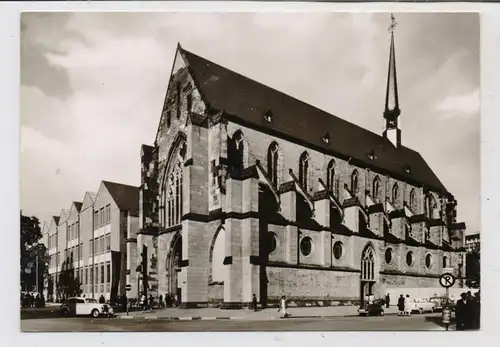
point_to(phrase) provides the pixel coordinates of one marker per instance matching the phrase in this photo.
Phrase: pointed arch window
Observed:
(368, 264)
(395, 193)
(376, 188)
(413, 201)
(173, 197)
(330, 177)
(354, 182)
(236, 150)
(304, 170)
(273, 163)
(430, 206)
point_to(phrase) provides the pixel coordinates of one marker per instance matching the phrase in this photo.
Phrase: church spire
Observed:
(392, 111)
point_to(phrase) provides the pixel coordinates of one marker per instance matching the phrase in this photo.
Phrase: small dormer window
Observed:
(268, 116)
(326, 138)
(371, 155)
(407, 169)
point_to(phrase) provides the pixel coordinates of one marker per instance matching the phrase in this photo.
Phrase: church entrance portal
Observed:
(174, 267)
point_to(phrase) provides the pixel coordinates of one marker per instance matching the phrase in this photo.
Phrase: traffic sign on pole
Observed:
(128, 287)
(447, 280)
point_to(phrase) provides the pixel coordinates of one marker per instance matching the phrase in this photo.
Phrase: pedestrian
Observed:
(461, 312)
(254, 303)
(124, 302)
(387, 300)
(283, 307)
(160, 301)
(142, 302)
(101, 299)
(407, 305)
(477, 322)
(401, 305)
(151, 302)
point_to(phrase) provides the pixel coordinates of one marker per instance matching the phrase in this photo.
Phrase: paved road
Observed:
(387, 323)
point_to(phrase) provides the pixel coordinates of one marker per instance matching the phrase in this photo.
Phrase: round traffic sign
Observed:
(128, 287)
(447, 280)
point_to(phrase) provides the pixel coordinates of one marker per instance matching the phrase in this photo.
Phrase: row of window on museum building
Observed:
(235, 158)
(306, 248)
(99, 245)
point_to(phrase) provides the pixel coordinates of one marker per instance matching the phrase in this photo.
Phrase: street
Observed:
(353, 323)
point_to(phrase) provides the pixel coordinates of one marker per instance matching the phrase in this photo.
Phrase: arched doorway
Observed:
(174, 266)
(368, 278)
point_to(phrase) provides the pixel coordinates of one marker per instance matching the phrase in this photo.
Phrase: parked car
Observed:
(78, 306)
(374, 309)
(422, 305)
(440, 302)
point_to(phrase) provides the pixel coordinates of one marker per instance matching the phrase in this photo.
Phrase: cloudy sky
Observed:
(92, 87)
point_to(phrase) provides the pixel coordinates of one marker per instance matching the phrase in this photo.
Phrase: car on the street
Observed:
(78, 306)
(371, 309)
(422, 305)
(440, 302)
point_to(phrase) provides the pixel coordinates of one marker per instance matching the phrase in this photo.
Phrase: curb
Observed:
(192, 318)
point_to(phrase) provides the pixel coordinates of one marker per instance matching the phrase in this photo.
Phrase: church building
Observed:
(247, 190)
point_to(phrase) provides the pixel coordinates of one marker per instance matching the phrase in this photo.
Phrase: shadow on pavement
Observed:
(438, 320)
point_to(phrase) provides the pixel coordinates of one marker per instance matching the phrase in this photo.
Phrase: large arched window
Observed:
(413, 201)
(376, 188)
(368, 264)
(395, 193)
(304, 170)
(217, 257)
(330, 176)
(354, 182)
(173, 196)
(430, 206)
(273, 163)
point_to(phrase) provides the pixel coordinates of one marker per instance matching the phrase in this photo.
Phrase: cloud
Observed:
(461, 105)
(93, 86)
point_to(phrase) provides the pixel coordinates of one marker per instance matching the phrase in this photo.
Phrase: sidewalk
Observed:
(265, 314)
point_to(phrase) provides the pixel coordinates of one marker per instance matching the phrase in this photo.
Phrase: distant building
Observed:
(97, 238)
(248, 191)
(472, 242)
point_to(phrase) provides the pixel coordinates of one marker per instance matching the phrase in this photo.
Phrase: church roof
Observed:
(246, 102)
(125, 196)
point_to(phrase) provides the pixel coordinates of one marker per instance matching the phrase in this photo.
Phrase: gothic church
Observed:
(248, 191)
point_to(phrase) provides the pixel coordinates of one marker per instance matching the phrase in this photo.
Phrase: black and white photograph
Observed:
(249, 171)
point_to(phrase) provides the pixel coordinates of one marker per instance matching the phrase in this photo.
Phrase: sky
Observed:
(93, 84)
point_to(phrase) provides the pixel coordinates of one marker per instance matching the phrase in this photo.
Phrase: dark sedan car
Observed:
(374, 309)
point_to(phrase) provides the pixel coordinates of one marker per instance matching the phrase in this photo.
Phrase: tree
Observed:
(68, 284)
(473, 268)
(32, 252)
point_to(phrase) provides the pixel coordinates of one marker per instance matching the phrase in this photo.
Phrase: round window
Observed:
(409, 258)
(272, 242)
(337, 250)
(306, 246)
(388, 255)
(428, 261)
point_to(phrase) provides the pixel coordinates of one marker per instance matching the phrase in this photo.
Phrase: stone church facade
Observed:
(249, 191)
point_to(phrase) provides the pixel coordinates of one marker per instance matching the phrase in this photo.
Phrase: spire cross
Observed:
(393, 24)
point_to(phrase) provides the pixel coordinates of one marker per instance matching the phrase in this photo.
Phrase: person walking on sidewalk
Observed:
(254, 303)
(387, 300)
(283, 307)
(407, 306)
(401, 305)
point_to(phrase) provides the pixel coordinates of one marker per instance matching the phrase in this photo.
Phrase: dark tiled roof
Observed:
(78, 205)
(125, 196)
(246, 101)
